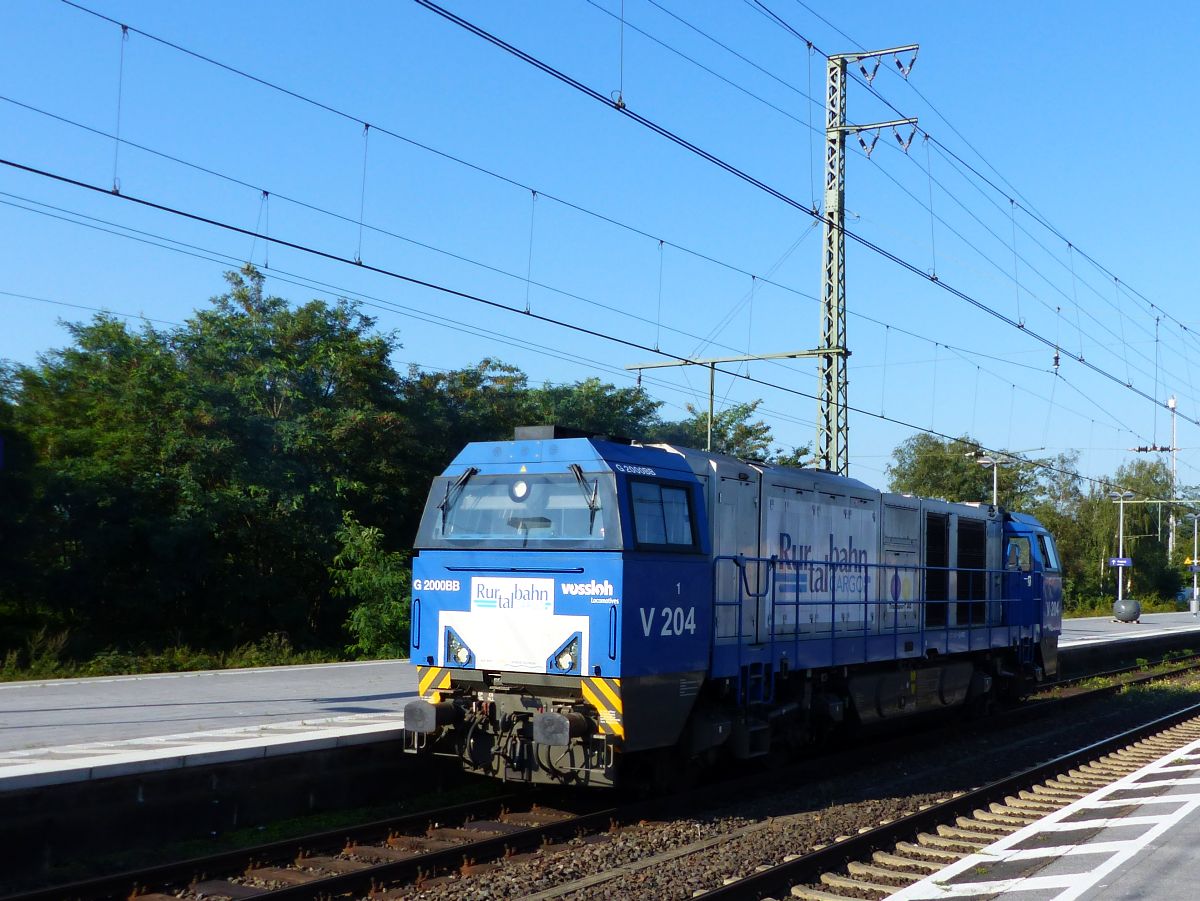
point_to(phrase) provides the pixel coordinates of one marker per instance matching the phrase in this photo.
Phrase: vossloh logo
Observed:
(588, 589)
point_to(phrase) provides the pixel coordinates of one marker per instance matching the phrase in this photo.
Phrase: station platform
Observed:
(1091, 643)
(1134, 839)
(1100, 629)
(73, 730)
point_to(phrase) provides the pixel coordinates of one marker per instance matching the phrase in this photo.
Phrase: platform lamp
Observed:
(986, 462)
(1195, 518)
(1120, 497)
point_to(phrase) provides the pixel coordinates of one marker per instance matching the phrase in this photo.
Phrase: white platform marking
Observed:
(1070, 886)
(33, 767)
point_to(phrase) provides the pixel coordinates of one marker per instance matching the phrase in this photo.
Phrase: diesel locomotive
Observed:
(584, 607)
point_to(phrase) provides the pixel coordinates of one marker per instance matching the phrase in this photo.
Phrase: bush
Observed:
(379, 581)
(1092, 605)
(270, 650)
(44, 659)
(1101, 605)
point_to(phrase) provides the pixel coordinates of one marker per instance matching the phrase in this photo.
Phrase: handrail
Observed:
(893, 615)
(740, 562)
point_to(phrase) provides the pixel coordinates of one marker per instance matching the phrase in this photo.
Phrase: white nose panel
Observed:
(517, 640)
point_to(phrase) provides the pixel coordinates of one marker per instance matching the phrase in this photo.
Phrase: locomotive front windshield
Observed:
(552, 511)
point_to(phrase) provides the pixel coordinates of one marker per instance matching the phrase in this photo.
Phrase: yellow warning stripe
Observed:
(431, 680)
(611, 689)
(605, 696)
(610, 722)
(590, 696)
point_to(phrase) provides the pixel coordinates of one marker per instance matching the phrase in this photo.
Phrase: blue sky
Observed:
(1078, 111)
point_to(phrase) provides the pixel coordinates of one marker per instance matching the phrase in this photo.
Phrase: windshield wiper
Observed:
(454, 489)
(592, 496)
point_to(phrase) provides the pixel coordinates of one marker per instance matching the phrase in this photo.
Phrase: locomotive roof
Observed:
(1027, 519)
(553, 453)
(821, 479)
(558, 453)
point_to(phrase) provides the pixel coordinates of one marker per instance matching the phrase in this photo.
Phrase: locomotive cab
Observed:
(1034, 576)
(549, 588)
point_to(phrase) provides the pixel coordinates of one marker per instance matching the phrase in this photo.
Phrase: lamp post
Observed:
(1121, 497)
(986, 462)
(1195, 518)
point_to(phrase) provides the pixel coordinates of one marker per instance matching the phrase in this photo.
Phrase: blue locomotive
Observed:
(582, 606)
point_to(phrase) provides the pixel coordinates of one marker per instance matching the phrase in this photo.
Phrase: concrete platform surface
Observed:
(1134, 839)
(1095, 629)
(59, 712)
(70, 730)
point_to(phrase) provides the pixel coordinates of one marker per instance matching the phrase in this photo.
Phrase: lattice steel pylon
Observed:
(833, 428)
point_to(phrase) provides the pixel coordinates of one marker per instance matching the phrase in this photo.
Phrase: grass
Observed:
(1102, 606)
(1164, 666)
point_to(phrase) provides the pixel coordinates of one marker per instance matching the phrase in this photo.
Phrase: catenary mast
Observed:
(833, 411)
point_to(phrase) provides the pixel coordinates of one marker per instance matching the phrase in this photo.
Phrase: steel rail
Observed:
(118, 885)
(809, 867)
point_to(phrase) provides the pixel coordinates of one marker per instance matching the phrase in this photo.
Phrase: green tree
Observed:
(594, 406)
(1146, 527)
(927, 466)
(97, 415)
(444, 411)
(189, 482)
(795, 456)
(930, 467)
(21, 614)
(378, 583)
(734, 432)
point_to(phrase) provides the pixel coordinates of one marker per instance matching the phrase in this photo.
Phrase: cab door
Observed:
(1018, 580)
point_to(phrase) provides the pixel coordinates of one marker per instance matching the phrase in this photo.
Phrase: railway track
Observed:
(881, 861)
(1166, 664)
(419, 852)
(403, 850)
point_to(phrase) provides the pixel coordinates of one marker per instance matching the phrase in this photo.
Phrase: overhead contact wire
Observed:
(453, 292)
(756, 182)
(641, 120)
(1010, 193)
(337, 112)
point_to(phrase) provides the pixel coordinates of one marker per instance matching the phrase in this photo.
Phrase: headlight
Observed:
(457, 651)
(566, 658)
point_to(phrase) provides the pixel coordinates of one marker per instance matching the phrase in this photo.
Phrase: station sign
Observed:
(1120, 561)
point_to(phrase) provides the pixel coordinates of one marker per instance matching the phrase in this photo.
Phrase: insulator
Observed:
(905, 69)
(867, 148)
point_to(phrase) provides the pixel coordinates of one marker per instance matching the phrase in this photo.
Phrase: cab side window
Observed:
(1049, 552)
(662, 515)
(1018, 554)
